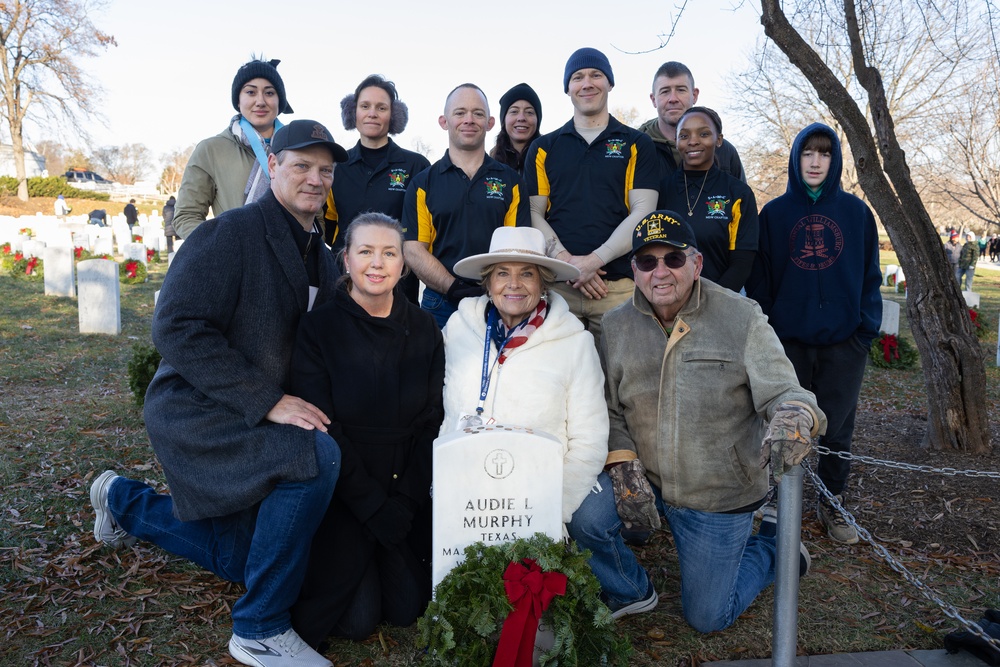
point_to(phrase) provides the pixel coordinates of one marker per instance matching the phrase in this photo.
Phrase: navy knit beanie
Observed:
(265, 70)
(586, 58)
(521, 91)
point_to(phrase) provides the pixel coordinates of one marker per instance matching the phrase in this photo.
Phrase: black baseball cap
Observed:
(302, 133)
(663, 226)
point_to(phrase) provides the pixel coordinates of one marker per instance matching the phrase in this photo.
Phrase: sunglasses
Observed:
(672, 260)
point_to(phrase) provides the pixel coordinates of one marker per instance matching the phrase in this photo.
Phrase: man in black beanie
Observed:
(591, 182)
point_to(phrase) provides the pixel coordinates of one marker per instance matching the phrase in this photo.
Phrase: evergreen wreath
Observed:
(980, 324)
(461, 626)
(26, 268)
(893, 352)
(131, 272)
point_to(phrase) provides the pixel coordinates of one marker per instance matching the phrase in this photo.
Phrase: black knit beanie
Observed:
(521, 91)
(265, 70)
(587, 58)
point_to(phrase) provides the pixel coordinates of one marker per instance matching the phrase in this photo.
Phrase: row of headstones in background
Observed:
(890, 312)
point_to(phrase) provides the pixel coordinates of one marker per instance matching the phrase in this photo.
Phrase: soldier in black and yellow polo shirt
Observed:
(452, 208)
(590, 183)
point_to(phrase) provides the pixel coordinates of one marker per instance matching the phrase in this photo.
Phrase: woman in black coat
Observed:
(374, 364)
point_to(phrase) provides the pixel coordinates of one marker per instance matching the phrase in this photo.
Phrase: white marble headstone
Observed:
(60, 271)
(33, 249)
(890, 270)
(103, 246)
(135, 251)
(100, 297)
(493, 484)
(971, 299)
(890, 317)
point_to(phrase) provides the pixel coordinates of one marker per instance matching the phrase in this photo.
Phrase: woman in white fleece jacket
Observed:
(543, 369)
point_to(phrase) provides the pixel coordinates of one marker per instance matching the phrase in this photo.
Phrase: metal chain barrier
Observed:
(951, 472)
(948, 609)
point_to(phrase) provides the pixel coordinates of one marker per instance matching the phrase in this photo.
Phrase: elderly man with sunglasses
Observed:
(701, 398)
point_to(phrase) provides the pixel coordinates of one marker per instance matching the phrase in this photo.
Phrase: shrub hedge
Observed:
(48, 186)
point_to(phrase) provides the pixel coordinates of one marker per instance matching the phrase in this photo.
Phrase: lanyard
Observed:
(484, 385)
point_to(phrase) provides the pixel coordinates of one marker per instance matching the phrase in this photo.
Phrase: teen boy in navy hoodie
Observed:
(817, 279)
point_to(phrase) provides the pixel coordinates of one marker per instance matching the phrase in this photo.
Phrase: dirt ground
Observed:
(952, 517)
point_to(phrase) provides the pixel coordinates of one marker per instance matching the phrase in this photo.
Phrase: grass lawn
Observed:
(66, 414)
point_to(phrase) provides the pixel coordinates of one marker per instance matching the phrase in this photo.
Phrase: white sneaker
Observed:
(106, 530)
(284, 650)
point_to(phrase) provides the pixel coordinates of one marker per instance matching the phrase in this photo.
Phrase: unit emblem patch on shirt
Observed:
(495, 188)
(614, 148)
(815, 243)
(398, 178)
(717, 205)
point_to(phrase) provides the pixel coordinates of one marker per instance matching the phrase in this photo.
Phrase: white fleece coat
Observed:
(553, 383)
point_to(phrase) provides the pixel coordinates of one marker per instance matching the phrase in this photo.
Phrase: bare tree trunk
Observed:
(950, 354)
(17, 143)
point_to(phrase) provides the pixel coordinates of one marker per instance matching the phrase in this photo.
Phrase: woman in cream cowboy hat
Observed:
(517, 356)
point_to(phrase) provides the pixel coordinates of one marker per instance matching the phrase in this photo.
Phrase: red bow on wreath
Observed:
(131, 269)
(30, 268)
(530, 591)
(890, 347)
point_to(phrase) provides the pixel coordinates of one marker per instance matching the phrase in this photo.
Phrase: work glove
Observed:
(461, 289)
(788, 439)
(634, 497)
(392, 521)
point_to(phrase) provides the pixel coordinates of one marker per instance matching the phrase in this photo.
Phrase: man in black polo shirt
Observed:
(673, 94)
(591, 182)
(452, 208)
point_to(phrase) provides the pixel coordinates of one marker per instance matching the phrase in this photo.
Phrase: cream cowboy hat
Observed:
(515, 244)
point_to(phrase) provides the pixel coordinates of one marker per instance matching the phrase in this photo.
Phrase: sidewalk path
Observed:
(936, 658)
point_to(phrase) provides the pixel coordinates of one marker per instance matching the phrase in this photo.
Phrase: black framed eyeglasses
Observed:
(672, 260)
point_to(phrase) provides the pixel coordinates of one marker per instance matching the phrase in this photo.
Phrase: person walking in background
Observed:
(520, 124)
(62, 209)
(967, 262)
(377, 170)
(230, 169)
(131, 214)
(953, 251)
(168, 223)
(817, 278)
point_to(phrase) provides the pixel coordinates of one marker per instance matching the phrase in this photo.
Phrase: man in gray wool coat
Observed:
(251, 468)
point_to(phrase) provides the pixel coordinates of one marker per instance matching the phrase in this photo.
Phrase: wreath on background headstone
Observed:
(980, 324)
(501, 586)
(25, 268)
(894, 352)
(132, 272)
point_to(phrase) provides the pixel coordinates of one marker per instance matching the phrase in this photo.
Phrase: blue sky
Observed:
(167, 83)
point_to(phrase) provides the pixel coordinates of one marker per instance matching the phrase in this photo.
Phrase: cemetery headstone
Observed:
(493, 484)
(33, 249)
(60, 269)
(135, 251)
(100, 297)
(971, 299)
(890, 317)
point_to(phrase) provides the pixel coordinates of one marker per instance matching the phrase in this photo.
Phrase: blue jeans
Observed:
(265, 547)
(437, 305)
(723, 567)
